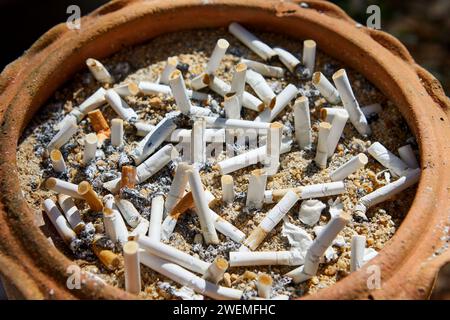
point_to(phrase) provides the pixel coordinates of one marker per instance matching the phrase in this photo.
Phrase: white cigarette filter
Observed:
(322, 145)
(337, 128)
(371, 109)
(132, 267)
(63, 135)
(357, 253)
(90, 147)
(71, 212)
(271, 220)
(252, 42)
(178, 187)
(248, 158)
(115, 227)
(179, 92)
(117, 132)
(264, 285)
(58, 163)
(127, 89)
(96, 100)
(120, 106)
(318, 248)
(302, 122)
(288, 59)
(154, 139)
(216, 270)
(232, 106)
(310, 211)
(283, 99)
(325, 87)
(155, 163)
(185, 278)
(128, 211)
(307, 192)
(266, 258)
(202, 208)
(198, 141)
(151, 88)
(63, 187)
(351, 166)
(171, 66)
(261, 88)
(386, 192)
(273, 146)
(238, 83)
(395, 165)
(59, 222)
(350, 103)
(217, 56)
(249, 101)
(309, 55)
(256, 187)
(156, 215)
(264, 69)
(174, 255)
(77, 114)
(99, 71)
(227, 188)
(406, 153)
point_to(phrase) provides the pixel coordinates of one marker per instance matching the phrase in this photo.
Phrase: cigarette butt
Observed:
(99, 125)
(57, 160)
(132, 267)
(98, 121)
(108, 258)
(85, 190)
(264, 285)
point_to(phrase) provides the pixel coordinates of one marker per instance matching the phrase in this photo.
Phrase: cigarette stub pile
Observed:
(184, 139)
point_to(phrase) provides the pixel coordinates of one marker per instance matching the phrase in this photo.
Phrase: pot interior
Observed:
(144, 62)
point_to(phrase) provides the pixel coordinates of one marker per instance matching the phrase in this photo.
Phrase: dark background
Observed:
(423, 26)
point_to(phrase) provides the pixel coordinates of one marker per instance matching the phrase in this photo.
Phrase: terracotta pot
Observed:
(33, 268)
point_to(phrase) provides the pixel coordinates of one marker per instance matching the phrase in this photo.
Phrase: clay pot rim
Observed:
(26, 83)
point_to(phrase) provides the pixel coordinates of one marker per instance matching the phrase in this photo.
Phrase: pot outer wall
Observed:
(34, 269)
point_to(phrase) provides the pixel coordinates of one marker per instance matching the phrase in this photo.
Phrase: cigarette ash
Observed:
(81, 246)
(297, 167)
(210, 252)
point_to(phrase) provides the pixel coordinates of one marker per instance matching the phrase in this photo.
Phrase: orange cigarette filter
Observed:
(100, 125)
(85, 190)
(129, 177)
(108, 258)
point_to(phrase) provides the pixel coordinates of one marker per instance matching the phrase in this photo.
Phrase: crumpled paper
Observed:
(297, 237)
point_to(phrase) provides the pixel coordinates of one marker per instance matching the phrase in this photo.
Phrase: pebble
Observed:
(249, 275)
